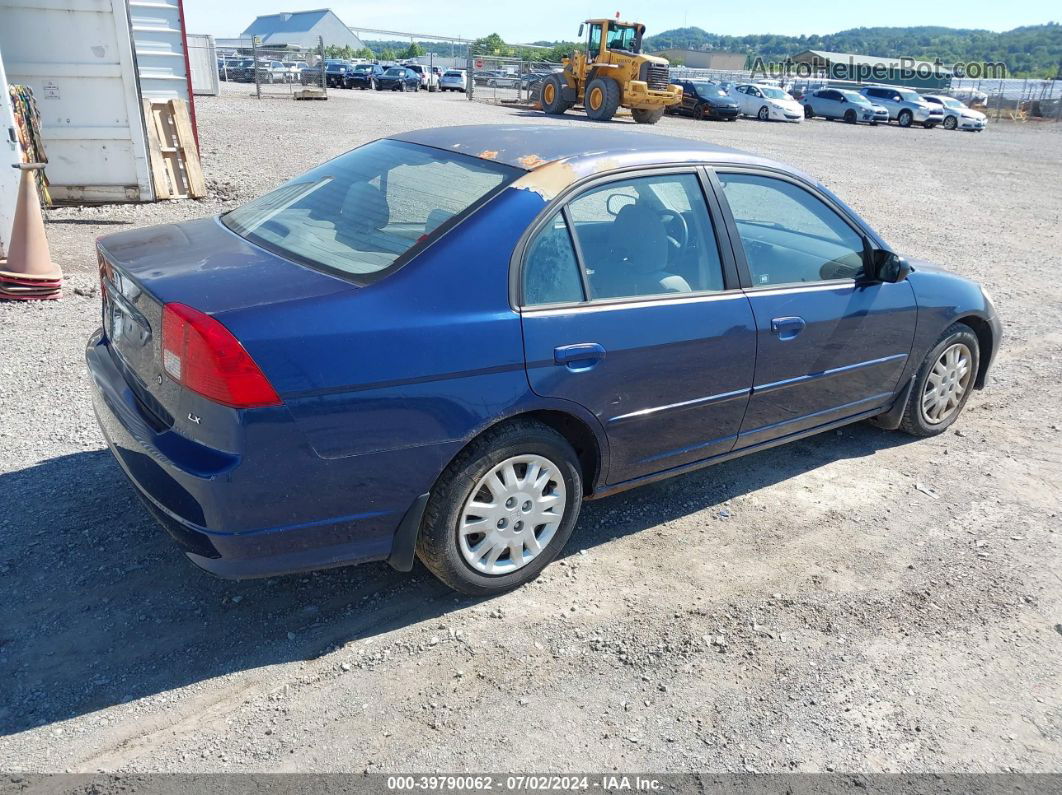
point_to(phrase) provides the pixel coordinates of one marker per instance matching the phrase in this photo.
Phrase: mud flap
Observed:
(404, 547)
(892, 418)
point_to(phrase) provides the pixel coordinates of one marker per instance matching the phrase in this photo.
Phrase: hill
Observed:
(1031, 51)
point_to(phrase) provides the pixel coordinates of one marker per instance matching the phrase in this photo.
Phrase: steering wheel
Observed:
(679, 243)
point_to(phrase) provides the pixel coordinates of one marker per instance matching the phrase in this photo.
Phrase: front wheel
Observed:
(943, 383)
(808, 112)
(951, 123)
(502, 510)
(648, 115)
(764, 114)
(850, 116)
(905, 118)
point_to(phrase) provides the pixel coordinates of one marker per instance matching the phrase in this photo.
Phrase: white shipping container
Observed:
(203, 62)
(77, 56)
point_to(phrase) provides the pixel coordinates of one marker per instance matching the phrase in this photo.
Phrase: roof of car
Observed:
(530, 147)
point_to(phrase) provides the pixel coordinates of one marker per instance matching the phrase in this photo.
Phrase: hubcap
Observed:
(512, 514)
(548, 93)
(596, 98)
(947, 384)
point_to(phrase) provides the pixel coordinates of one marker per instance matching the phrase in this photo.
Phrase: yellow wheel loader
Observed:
(612, 73)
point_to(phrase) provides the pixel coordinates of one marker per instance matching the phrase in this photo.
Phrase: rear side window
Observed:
(551, 272)
(357, 214)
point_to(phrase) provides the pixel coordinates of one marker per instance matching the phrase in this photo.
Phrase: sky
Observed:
(518, 21)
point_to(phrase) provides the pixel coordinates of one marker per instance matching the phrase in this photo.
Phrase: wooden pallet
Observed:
(175, 168)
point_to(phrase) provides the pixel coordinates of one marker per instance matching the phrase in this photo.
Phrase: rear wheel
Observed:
(502, 510)
(553, 96)
(929, 125)
(602, 98)
(650, 115)
(943, 383)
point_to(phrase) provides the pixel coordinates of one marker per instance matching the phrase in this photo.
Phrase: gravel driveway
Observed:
(855, 601)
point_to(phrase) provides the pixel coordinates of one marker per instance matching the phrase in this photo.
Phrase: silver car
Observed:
(834, 103)
(956, 115)
(905, 105)
(453, 80)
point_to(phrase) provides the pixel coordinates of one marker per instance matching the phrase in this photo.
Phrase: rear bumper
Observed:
(277, 510)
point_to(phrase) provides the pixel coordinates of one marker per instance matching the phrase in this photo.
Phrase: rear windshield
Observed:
(359, 213)
(452, 74)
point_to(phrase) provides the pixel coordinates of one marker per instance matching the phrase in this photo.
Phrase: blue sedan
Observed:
(440, 343)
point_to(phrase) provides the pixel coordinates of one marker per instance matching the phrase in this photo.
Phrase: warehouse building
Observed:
(874, 69)
(300, 30)
(703, 59)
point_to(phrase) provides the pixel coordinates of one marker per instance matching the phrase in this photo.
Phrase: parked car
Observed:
(272, 72)
(454, 80)
(835, 103)
(335, 74)
(704, 99)
(766, 102)
(232, 68)
(503, 80)
(294, 69)
(364, 76)
(403, 351)
(906, 106)
(398, 78)
(956, 115)
(429, 79)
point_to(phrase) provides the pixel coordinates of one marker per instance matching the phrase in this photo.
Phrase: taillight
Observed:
(202, 355)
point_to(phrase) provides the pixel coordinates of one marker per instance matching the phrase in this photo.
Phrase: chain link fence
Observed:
(270, 72)
(509, 81)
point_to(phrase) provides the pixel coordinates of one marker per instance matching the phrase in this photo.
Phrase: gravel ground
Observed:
(854, 601)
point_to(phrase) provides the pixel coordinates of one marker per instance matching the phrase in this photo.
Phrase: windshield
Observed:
(359, 213)
(363, 67)
(452, 74)
(623, 38)
(854, 98)
(910, 96)
(396, 71)
(709, 90)
(954, 103)
(774, 93)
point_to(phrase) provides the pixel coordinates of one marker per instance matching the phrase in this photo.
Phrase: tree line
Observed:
(1031, 51)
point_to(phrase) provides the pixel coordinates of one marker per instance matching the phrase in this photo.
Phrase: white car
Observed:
(766, 102)
(453, 80)
(429, 78)
(956, 115)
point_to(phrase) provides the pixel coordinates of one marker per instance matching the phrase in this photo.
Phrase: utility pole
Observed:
(254, 56)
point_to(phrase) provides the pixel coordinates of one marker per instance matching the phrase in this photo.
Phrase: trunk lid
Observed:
(198, 263)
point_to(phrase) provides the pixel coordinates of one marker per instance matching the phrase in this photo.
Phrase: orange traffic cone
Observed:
(28, 273)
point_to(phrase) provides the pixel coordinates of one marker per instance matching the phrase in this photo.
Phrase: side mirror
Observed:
(580, 32)
(844, 100)
(887, 266)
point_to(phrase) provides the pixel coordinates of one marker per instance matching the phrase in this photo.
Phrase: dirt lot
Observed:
(855, 601)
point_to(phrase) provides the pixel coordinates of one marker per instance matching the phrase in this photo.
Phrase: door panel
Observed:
(845, 359)
(672, 385)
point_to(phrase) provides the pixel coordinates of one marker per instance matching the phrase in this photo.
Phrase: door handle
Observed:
(786, 328)
(581, 356)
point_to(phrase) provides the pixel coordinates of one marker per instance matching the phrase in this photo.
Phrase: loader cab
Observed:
(607, 35)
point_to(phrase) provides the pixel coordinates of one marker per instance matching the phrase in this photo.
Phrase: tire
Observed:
(602, 98)
(648, 115)
(553, 96)
(950, 123)
(929, 125)
(918, 420)
(764, 114)
(850, 116)
(808, 112)
(699, 113)
(905, 118)
(439, 545)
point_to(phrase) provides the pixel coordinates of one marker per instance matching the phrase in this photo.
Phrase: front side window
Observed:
(595, 41)
(789, 235)
(625, 39)
(646, 236)
(551, 271)
(357, 214)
